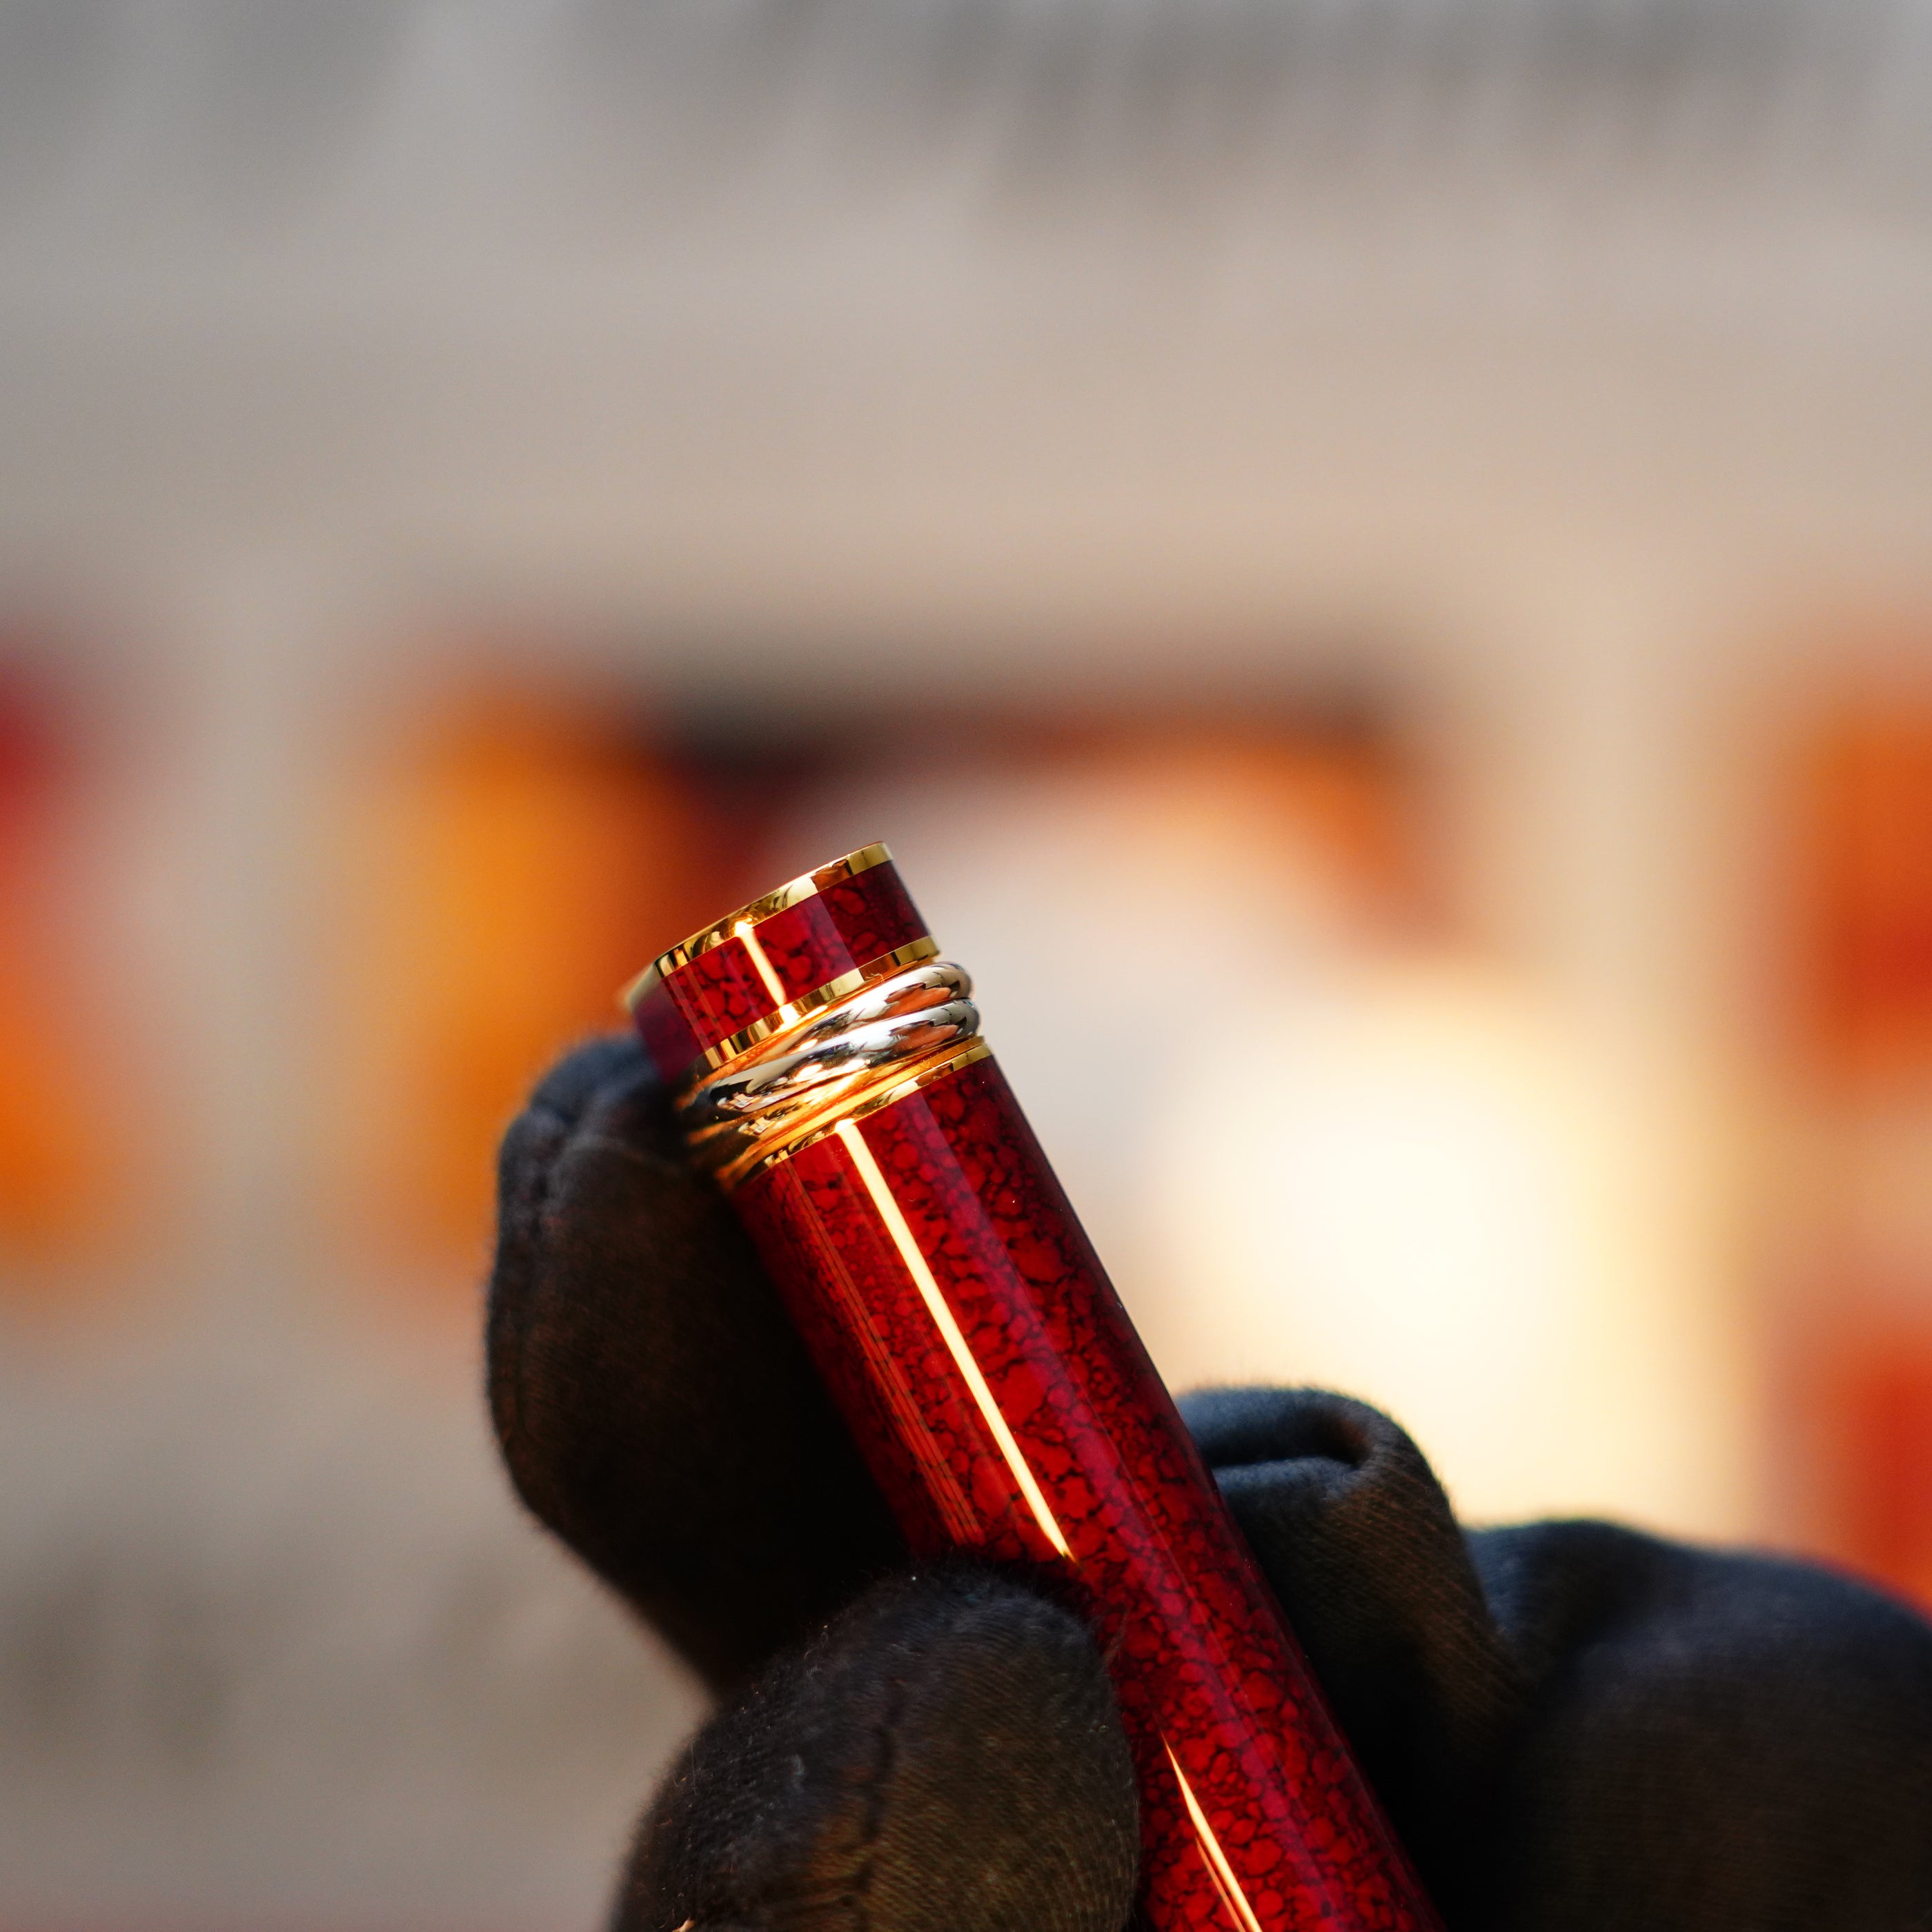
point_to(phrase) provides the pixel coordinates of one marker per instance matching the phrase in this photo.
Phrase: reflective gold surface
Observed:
(880, 1040)
(742, 930)
(887, 964)
(806, 886)
(852, 1103)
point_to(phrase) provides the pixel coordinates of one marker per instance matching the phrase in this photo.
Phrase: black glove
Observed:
(1572, 1727)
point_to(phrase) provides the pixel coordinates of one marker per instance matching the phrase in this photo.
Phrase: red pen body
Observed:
(833, 1078)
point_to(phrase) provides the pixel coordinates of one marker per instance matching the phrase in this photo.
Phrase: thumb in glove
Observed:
(945, 1754)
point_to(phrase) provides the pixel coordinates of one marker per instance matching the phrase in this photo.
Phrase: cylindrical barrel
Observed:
(833, 1077)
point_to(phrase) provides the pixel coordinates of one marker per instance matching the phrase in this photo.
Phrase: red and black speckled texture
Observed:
(720, 992)
(848, 923)
(872, 912)
(1202, 1662)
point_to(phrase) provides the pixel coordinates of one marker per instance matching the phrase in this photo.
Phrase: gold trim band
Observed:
(804, 1077)
(714, 1059)
(793, 892)
(760, 1159)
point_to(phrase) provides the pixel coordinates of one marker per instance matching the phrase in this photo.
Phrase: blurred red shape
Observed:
(66, 1178)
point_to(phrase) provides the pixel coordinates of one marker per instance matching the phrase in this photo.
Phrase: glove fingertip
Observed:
(946, 1756)
(655, 1407)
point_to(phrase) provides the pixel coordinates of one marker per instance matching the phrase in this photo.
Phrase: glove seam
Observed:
(878, 1800)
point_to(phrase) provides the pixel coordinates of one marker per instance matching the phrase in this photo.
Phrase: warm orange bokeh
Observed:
(512, 860)
(1864, 1368)
(1343, 798)
(1877, 1490)
(1868, 889)
(512, 864)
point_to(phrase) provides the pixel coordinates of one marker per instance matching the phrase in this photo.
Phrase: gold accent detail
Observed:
(943, 1486)
(854, 863)
(1212, 1855)
(716, 1057)
(742, 930)
(844, 1105)
(969, 1055)
(807, 885)
(795, 1085)
(948, 1325)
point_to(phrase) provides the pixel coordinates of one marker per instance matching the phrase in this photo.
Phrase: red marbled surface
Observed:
(848, 923)
(720, 992)
(872, 912)
(805, 949)
(1202, 1662)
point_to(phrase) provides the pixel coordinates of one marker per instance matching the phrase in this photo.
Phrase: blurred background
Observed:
(1370, 557)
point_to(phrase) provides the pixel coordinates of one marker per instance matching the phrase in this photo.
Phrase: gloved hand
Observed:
(1573, 1727)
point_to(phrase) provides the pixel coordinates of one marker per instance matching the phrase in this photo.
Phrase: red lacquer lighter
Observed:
(832, 1077)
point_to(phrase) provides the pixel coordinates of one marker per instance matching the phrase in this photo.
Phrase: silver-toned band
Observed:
(793, 1085)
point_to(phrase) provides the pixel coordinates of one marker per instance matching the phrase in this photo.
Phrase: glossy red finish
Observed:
(851, 922)
(720, 992)
(1123, 1522)
(667, 1034)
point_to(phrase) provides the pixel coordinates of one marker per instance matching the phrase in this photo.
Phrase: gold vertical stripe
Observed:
(1219, 1869)
(949, 1328)
(955, 1506)
(774, 985)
